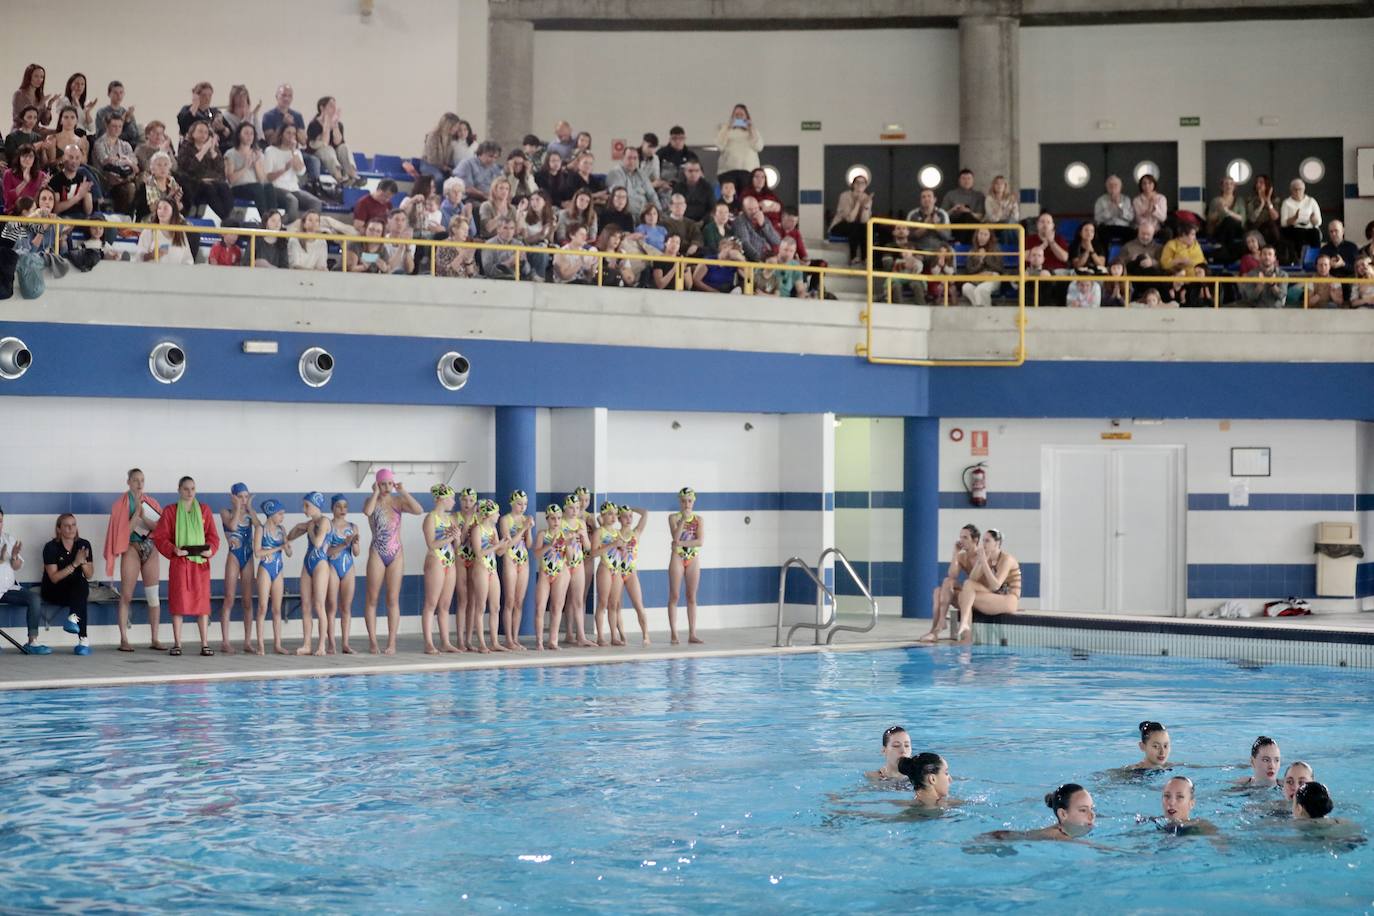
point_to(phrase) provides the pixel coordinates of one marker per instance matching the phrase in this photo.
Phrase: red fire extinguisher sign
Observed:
(978, 443)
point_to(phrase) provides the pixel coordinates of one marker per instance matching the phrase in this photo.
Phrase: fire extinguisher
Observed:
(976, 483)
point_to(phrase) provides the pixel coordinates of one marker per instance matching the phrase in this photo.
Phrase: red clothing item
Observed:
(16, 187)
(188, 584)
(1052, 262)
(226, 255)
(369, 208)
(796, 236)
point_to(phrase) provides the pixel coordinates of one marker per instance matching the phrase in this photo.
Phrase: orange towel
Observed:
(117, 533)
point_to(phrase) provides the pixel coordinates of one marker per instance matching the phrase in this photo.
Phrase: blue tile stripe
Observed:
(1271, 502)
(1364, 502)
(884, 578)
(1352, 191)
(1259, 580)
(1030, 195)
(997, 499)
(1364, 580)
(761, 501)
(1189, 193)
(811, 196)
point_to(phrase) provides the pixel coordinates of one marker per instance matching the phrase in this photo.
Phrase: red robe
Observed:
(188, 584)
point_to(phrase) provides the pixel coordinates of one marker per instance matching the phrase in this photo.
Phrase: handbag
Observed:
(29, 274)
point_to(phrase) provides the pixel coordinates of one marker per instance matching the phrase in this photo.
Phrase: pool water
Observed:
(673, 787)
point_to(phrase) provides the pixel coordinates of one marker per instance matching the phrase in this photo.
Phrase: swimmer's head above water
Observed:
(1178, 799)
(1312, 801)
(896, 745)
(929, 774)
(1073, 809)
(1154, 742)
(1298, 774)
(1265, 761)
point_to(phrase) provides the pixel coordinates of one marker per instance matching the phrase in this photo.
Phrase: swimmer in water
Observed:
(1074, 817)
(1312, 802)
(1154, 742)
(1177, 800)
(1298, 774)
(896, 745)
(929, 775)
(1264, 762)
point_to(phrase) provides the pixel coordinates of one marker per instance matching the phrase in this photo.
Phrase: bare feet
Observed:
(430, 650)
(157, 647)
(932, 636)
(553, 646)
(965, 634)
(345, 648)
(675, 640)
(390, 648)
(450, 647)
(304, 650)
(225, 648)
(497, 647)
(252, 649)
(125, 647)
(602, 642)
(280, 649)
(645, 642)
(373, 648)
(694, 640)
(319, 650)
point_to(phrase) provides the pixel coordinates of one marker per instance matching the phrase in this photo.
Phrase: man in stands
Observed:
(927, 212)
(1300, 219)
(479, 171)
(114, 158)
(964, 203)
(562, 142)
(677, 223)
(757, 237)
(675, 155)
(276, 118)
(1053, 247)
(202, 109)
(131, 134)
(1273, 295)
(1140, 256)
(73, 188)
(1342, 251)
(626, 174)
(399, 256)
(651, 167)
(1113, 214)
(376, 205)
(696, 191)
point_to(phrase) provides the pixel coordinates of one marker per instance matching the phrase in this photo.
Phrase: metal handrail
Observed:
(823, 592)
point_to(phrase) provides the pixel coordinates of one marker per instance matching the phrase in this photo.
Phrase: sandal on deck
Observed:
(175, 650)
(206, 651)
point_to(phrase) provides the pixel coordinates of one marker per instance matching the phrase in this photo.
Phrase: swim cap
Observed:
(315, 498)
(572, 500)
(384, 475)
(441, 491)
(271, 507)
(239, 489)
(626, 510)
(468, 493)
(336, 499)
(517, 495)
(581, 491)
(608, 506)
(687, 492)
(486, 507)
(554, 509)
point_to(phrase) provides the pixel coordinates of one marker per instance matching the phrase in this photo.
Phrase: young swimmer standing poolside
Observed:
(466, 519)
(440, 572)
(960, 563)
(270, 551)
(626, 580)
(488, 544)
(341, 547)
(591, 522)
(575, 548)
(1177, 800)
(314, 571)
(552, 586)
(606, 548)
(1074, 817)
(240, 526)
(896, 745)
(515, 566)
(1265, 761)
(688, 533)
(385, 561)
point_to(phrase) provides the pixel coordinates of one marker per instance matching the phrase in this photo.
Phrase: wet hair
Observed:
(1315, 800)
(1192, 789)
(972, 530)
(890, 731)
(1148, 728)
(1300, 763)
(919, 767)
(1059, 798)
(1260, 742)
(994, 534)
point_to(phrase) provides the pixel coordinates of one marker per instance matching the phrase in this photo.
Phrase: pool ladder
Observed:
(824, 596)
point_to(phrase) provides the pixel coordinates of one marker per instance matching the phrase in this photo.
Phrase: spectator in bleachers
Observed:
(245, 168)
(617, 211)
(155, 140)
(367, 256)
(717, 229)
(479, 171)
(612, 269)
(570, 267)
(285, 165)
(713, 278)
(687, 231)
(1362, 292)
(696, 190)
(270, 251)
(1114, 214)
(1183, 250)
(583, 144)
(963, 202)
(1141, 254)
(663, 274)
(562, 142)
(649, 229)
(1000, 205)
(651, 167)
(1198, 295)
(1087, 254)
(1084, 294)
(766, 279)
(1368, 250)
(32, 91)
(75, 96)
(536, 229)
(1054, 249)
(130, 132)
(1226, 220)
(1250, 260)
(1274, 294)
(23, 178)
(282, 114)
(626, 174)
(500, 265)
(26, 133)
(165, 247)
(674, 156)
(579, 212)
(439, 159)
(942, 265)
(200, 170)
(910, 262)
(768, 201)
(1150, 204)
(1340, 250)
(398, 255)
(66, 135)
(792, 284)
(497, 207)
(325, 138)
(241, 111)
(1324, 295)
(790, 228)
(740, 144)
(1114, 294)
(465, 144)
(548, 176)
(112, 155)
(308, 254)
(73, 187)
(201, 109)
(984, 257)
(521, 176)
(1176, 293)
(457, 262)
(534, 151)
(455, 202)
(1261, 213)
(157, 183)
(375, 205)
(729, 195)
(927, 212)
(757, 237)
(852, 213)
(226, 251)
(1300, 220)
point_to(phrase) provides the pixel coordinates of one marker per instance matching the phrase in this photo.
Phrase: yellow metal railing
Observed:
(1125, 281)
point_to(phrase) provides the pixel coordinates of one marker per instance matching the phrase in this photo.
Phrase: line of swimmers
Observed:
(464, 538)
(1072, 804)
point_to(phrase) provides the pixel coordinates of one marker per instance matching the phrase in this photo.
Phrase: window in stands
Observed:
(854, 171)
(1146, 168)
(929, 176)
(772, 175)
(1076, 175)
(1312, 170)
(1239, 170)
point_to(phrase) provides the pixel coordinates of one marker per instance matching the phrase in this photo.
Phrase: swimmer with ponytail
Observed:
(1074, 817)
(896, 747)
(929, 775)
(1177, 800)
(1154, 742)
(1265, 760)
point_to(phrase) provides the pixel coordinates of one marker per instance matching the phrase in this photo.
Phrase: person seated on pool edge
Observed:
(1264, 761)
(896, 745)
(929, 775)
(1073, 812)
(994, 585)
(1298, 774)
(1154, 742)
(960, 563)
(1177, 800)
(1312, 802)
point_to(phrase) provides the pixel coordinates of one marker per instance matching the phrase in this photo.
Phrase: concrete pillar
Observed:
(920, 514)
(989, 106)
(516, 461)
(510, 81)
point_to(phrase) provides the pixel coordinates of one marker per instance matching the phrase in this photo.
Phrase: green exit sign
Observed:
(811, 125)
(1193, 121)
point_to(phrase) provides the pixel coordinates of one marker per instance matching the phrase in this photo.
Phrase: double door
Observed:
(782, 160)
(896, 174)
(1074, 175)
(1317, 161)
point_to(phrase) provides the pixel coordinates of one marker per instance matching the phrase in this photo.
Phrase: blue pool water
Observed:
(671, 787)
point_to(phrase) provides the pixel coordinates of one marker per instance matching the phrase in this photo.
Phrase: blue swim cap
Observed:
(271, 506)
(238, 488)
(336, 499)
(316, 499)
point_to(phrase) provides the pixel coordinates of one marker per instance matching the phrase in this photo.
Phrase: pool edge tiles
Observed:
(1271, 642)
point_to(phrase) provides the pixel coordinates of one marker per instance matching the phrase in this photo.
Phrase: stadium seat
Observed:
(389, 166)
(1309, 258)
(362, 162)
(351, 196)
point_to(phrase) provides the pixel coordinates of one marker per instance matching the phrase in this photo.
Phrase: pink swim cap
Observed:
(385, 476)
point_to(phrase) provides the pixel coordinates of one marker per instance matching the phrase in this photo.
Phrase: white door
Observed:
(1112, 520)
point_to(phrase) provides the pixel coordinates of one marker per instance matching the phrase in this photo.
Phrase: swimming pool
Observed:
(670, 787)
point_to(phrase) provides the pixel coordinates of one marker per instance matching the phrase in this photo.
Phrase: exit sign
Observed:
(811, 125)
(1193, 121)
